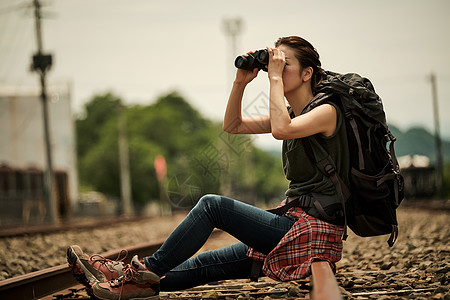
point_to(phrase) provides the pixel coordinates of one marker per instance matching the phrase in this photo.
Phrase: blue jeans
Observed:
(252, 226)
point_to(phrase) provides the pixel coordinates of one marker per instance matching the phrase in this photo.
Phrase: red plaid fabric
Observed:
(308, 240)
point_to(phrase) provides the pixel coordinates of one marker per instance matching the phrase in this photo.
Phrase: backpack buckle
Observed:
(329, 169)
(391, 136)
(348, 115)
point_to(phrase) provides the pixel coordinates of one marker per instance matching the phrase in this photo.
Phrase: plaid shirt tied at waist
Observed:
(309, 239)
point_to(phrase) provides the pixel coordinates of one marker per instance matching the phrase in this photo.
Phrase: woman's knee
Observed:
(209, 200)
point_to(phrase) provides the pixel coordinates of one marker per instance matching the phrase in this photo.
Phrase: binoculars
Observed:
(259, 60)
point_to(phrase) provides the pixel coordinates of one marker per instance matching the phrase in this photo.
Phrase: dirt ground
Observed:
(418, 260)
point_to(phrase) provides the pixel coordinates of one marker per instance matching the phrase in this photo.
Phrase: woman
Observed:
(288, 244)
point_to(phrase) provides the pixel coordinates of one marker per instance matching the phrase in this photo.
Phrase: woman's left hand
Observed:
(277, 61)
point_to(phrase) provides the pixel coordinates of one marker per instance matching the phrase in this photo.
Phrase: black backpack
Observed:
(368, 206)
(376, 185)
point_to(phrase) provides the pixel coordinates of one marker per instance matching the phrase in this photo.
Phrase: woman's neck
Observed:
(299, 99)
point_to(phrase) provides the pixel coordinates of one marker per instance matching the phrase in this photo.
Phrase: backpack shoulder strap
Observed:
(324, 162)
(328, 168)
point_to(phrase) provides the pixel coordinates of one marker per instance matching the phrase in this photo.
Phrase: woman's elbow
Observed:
(278, 134)
(226, 129)
(229, 129)
(232, 126)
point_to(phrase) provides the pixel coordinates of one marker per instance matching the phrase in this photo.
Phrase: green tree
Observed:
(172, 128)
(96, 133)
(200, 157)
(97, 113)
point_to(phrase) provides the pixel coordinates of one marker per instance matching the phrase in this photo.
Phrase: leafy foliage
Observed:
(98, 112)
(200, 157)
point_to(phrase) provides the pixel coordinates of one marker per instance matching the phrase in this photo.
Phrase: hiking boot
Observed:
(136, 283)
(89, 270)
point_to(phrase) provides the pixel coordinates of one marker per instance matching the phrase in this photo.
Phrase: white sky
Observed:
(140, 49)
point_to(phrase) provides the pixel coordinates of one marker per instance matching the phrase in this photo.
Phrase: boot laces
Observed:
(106, 261)
(128, 275)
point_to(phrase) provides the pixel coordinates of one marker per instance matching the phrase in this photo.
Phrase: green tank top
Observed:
(303, 174)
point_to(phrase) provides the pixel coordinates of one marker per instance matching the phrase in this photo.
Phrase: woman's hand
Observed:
(277, 61)
(245, 76)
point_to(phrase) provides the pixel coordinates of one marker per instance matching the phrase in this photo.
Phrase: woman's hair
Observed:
(307, 56)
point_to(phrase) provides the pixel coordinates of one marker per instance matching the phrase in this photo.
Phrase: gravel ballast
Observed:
(418, 260)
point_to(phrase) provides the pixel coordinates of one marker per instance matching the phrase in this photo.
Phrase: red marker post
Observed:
(161, 175)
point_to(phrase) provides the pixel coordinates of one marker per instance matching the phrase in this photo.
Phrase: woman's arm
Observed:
(233, 121)
(321, 119)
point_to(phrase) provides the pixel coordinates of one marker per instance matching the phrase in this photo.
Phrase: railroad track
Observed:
(65, 226)
(58, 283)
(38, 284)
(430, 205)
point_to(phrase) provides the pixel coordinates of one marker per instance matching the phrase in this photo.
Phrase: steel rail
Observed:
(67, 226)
(45, 282)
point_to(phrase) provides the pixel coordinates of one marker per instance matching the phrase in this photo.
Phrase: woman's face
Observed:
(292, 79)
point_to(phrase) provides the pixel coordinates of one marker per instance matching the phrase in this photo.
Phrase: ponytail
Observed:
(318, 75)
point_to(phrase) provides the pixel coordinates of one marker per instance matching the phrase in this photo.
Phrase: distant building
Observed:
(419, 176)
(22, 154)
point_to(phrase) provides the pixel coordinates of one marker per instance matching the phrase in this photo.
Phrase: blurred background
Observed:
(135, 91)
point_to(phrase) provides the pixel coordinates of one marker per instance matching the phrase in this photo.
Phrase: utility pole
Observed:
(232, 28)
(437, 136)
(41, 64)
(124, 160)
